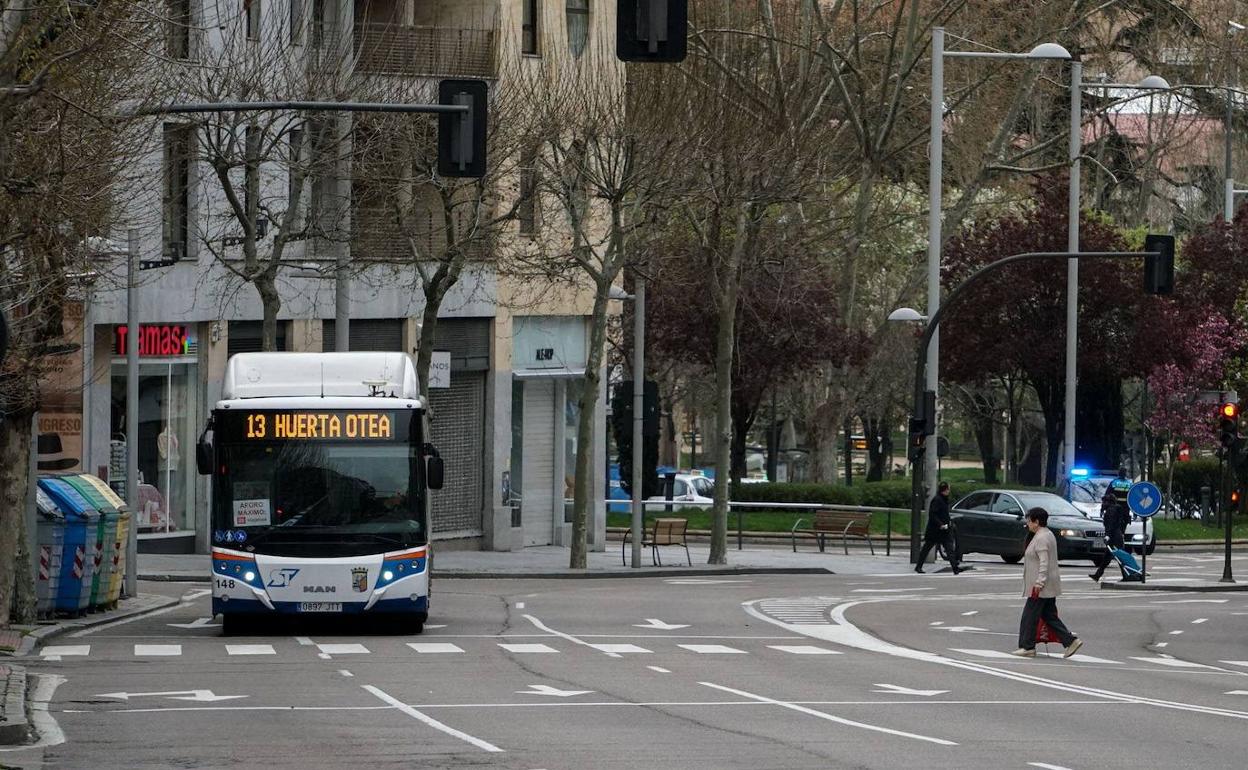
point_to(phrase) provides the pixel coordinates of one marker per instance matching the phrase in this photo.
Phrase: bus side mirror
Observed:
(435, 471)
(203, 453)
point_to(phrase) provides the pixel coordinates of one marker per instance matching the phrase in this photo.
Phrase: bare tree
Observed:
(62, 159)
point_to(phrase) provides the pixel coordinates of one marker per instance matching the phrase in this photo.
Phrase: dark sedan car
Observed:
(992, 521)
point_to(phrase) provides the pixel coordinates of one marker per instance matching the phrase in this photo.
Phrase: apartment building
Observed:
(507, 373)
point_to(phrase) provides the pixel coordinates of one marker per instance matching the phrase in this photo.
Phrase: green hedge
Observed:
(876, 494)
(1189, 477)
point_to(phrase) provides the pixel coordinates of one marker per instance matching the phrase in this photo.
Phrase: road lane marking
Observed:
(250, 649)
(305, 641)
(659, 669)
(1234, 662)
(968, 614)
(827, 716)
(1172, 662)
(527, 648)
(157, 649)
(519, 605)
(58, 651)
(343, 649)
(1175, 633)
(841, 631)
(434, 647)
(620, 648)
(890, 590)
(569, 637)
(804, 649)
(1047, 766)
(345, 672)
(712, 649)
(1039, 653)
(1198, 621)
(428, 720)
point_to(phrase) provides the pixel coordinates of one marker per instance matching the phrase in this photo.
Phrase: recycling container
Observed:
(73, 592)
(105, 538)
(50, 542)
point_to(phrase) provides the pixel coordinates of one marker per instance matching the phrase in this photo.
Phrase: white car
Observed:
(688, 488)
(1086, 494)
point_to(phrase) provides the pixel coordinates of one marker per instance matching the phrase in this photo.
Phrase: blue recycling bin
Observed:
(73, 594)
(50, 543)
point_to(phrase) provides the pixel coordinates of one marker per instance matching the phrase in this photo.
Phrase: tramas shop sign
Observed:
(155, 340)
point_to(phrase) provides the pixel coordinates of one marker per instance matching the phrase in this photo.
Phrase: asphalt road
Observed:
(881, 670)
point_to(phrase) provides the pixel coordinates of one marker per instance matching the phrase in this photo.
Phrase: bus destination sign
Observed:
(313, 425)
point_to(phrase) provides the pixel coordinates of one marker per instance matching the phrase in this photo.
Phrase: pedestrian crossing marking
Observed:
(1039, 653)
(804, 649)
(712, 649)
(66, 649)
(620, 648)
(343, 649)
(434, 647)
(141, 650)
(1172, 662)
(527, 648)
(250, 649)
(1234, 662)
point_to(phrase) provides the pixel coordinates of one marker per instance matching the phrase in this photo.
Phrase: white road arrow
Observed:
(897, 690)
(203, 696)
(659, 625)
(545, 689)
(200, 623)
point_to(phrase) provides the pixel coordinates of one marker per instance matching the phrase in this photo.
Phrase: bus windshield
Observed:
(318, 498)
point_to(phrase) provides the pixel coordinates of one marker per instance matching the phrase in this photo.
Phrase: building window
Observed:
(294, 179)
(296, 21)
(178, 30)
(526, 211)
(578, 26)
(319, 22)
(251, 14)
(176, 190)
(251, 178)
(529, 28)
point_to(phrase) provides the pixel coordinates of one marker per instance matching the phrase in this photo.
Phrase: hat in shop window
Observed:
(51, 455)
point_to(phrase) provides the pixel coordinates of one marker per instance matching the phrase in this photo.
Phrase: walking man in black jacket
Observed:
(1115, 516)
(939, 530)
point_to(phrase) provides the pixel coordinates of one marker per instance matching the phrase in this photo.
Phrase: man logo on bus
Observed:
(281, 578)
(359, 579)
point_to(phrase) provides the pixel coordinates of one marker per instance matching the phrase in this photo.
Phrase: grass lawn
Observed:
(782, 521)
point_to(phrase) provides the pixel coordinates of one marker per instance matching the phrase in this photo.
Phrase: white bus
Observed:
(321, 471)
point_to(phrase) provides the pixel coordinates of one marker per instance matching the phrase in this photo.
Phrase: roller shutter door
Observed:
(458, 433)
(538, 475)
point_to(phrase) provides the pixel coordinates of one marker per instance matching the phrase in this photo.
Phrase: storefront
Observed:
(170, 418)
(548, 363)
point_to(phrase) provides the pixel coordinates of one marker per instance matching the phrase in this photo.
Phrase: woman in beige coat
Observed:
(1042, 584)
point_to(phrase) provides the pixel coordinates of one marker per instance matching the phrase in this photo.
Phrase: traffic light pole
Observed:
(917, 492)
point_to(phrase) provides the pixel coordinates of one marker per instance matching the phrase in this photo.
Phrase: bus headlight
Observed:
(387, 576)
(249, 576)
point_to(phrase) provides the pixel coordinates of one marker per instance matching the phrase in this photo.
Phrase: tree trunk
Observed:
(875, 427)
(271, 301)
(16, 593)
(428, 335)
(742, 420)
(582, 495)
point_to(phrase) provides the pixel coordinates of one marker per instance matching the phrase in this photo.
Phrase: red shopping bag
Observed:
(1044, 634)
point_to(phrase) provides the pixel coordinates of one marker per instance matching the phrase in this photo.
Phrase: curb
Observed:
(44, 633)
(563, 574)
(14, 728)
(1207, 588)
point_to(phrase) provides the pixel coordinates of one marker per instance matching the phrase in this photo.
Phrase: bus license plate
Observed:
(320, 606)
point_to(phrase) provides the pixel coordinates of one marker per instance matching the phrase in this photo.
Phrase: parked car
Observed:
(1086, 493)
(993, 521)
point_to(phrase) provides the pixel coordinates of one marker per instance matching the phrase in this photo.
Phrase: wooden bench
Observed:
(847, 524)
(659, 532)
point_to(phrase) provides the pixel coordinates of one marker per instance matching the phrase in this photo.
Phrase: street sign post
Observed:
(1144, 500)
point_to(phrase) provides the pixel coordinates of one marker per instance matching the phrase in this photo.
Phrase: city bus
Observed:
(322, 468)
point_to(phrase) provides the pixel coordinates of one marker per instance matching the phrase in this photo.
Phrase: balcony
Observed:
(394, 49)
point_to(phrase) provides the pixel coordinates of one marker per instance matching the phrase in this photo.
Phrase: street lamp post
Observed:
(935, 170)
(639, 391)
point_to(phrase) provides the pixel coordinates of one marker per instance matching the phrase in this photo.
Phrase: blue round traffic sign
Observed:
(1144, 498)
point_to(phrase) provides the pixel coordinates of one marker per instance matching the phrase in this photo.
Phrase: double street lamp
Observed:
(1042, 52)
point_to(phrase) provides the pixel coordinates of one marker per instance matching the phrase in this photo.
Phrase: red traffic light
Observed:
(1230, 410)
(1235, 496)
